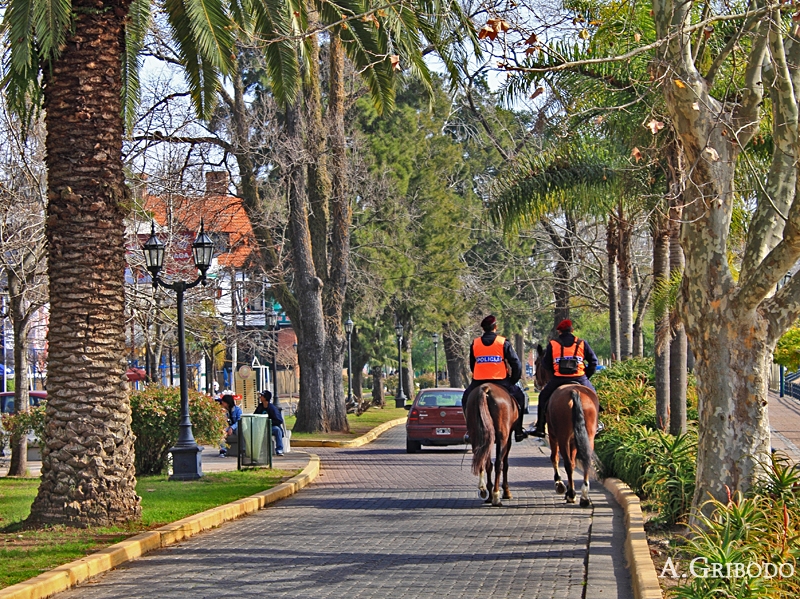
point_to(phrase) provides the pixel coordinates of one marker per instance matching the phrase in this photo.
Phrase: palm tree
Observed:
(87, 53)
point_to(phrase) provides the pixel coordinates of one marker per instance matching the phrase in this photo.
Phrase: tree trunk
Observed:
(642, 297)
(612, 245)
(358, 382)
(335, 285)
(677, 347)
(378, 397)
(408, 367)
(87, 455)
(454, 355)
(310, 327)
(624, 229)
(20, 320)
(662, 332)
(561, 272)
(519, 347)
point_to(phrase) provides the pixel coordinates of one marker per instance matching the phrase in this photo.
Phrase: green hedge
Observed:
(155, 415)
(657, 466)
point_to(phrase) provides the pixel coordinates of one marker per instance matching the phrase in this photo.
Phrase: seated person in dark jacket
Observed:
(568, 360)
(275, 417)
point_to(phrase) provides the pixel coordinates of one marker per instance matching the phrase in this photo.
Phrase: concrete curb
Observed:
(69, 575)
(644, 578)
(362, 440)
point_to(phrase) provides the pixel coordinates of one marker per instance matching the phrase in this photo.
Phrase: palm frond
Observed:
(21, 59)
(272, 25)
(568, 176)
(135, 31)
(214, 36)
(365, 44)
(50, 20)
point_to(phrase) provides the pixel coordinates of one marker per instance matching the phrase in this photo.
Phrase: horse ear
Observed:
(539, 349)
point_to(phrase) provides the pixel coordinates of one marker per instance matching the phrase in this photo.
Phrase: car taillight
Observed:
(413, 415)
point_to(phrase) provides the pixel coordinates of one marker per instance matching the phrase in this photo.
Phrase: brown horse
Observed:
(491, 413)
(571, 424)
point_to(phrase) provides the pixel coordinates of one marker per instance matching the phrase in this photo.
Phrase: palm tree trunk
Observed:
(612, 245)
(87, 458)
(662, 333)
(677, 348)
(625, 292)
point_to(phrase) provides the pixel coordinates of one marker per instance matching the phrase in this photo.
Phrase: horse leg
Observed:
(560, 488)
(585, 501)
(498, 468)
(483, 492)
(506, 490)
(569, 466)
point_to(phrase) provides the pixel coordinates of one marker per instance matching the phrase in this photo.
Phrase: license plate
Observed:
(442, 431)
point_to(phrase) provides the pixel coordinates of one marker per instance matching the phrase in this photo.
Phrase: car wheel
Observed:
(413, 446)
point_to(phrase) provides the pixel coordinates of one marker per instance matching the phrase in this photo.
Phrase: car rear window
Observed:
(440, 400)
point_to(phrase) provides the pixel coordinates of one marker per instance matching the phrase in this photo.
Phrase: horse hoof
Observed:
(561, 488)
(497, 504)
(586, 503)
(483, 494)
(487, 500)
(570, 500)
(507, 495)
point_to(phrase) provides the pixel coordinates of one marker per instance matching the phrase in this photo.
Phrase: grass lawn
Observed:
(28, 553)
(359, 425)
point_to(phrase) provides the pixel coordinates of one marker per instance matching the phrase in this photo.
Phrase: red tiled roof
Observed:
(220, 213)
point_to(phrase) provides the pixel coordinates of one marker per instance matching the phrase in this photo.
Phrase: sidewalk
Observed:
(784, 423)
(211, 462)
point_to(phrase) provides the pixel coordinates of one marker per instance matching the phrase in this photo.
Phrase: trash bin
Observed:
(255, 441)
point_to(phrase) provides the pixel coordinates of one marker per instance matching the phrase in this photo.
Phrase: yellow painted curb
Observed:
(73, 573)
(362, 440)
(643, 572)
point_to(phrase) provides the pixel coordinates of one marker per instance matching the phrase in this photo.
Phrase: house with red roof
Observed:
(237, 284)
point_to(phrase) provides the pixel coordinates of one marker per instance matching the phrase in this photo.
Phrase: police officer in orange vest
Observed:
(570, 360)
(488, 356)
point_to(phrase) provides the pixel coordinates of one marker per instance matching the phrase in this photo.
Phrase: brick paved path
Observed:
(380, 523)
(784, 420)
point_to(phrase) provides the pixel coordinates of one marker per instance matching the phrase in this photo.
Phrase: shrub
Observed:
(22, 423)
(425, 381)
(155, 414)
(658, 467)
(762, 527)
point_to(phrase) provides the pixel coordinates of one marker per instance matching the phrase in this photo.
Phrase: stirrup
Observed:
(520, 436)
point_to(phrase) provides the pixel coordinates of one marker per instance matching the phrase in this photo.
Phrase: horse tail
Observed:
(579, 429)
(483, 441)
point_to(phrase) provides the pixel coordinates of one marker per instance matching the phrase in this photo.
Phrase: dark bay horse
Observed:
(571, 425)
(491, 413)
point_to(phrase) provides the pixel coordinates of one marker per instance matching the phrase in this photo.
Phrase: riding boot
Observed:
(519, 434)
(540, 421)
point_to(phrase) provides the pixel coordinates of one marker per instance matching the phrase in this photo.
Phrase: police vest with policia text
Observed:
(490, 364)
(571, 364)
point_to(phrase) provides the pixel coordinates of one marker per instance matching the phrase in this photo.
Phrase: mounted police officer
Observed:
(571, 361)
(493, 360)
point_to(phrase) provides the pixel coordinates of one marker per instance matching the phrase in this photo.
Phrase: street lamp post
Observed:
(272, 326)
(348, 327)
(186, 464)
(435, 337)
(400, 398)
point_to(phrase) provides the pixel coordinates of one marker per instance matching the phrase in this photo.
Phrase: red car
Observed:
(435, 418)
